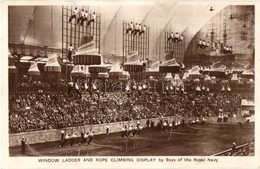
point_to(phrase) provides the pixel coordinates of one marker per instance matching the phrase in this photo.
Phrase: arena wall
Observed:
(54, 134)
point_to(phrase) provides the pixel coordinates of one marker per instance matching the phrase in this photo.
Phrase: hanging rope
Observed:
(51, 29)
(115, 35)
(30, 21)
(109, 26)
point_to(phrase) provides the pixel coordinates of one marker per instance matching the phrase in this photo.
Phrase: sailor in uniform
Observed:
(171, 36)
(23, 145)
(81, 17)
(130, 27)
(93, 18)
(107, 129)
(85, 17)
(74, 15)
(143, 30)
(71, 50)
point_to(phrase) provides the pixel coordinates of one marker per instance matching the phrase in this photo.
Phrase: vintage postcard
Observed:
(129, 84)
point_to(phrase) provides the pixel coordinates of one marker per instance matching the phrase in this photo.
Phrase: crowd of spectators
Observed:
(41, 111)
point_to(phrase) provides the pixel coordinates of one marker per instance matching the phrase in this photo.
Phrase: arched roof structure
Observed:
(34, 23)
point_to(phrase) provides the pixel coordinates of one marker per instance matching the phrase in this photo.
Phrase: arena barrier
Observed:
(42, 136)
(228, 151)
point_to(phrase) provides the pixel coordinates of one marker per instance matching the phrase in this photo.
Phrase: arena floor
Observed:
(199, 140)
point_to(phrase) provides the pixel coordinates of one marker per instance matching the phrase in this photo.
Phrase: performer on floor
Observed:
(138, 123)
(72, 138)
(123, 132)
(107, 129)
(74, 15)
(82, 137)
(129, 131)
(164, 126)
(134, 131)
(233, 149)
(130, 27)
(85, 17)
(62, 138)
(170, 127)
(91, 135)
(71, 50)
(148, 123)
(139, 130)
(81, 17)
(23, 145)
(86, 137)
(93, 18)
(67, 137)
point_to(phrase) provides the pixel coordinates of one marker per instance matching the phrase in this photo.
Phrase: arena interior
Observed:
(131, 80)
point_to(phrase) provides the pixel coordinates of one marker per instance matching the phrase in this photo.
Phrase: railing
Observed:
(228, 151)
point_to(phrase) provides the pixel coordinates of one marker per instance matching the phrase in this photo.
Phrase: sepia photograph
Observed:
(132, 82)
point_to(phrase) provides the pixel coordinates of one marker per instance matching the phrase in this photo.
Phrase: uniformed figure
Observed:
(143, 30)
(123, 132)
(91, 135)
(139, 130)
(135, 28)
(70, 52)
(82, 137)
(173, 125)
(137, 123)
(67, 137)
(225, 118)
(171, 36)
(134, 131)
(148, 123)
(176, 37)
(81, 17)
(182, 122)
(204, 43)
(130, 131)
(85, 17)
(219, 118)
(197, 121)
(200, 44)
(170, 127)
(86, 137)
(203, 120)
(145, 63)
(107, 129)
(164, 126)
(93, 18)
(233, 148)
(152, 124)
(23, 145)
(62, 138)
(181, 38)
(72, 138)
(130, 27)
(74, 15)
